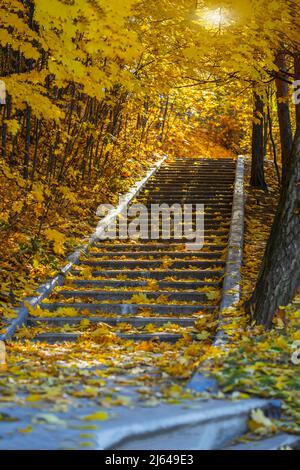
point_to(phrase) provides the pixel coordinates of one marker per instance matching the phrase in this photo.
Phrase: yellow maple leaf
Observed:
(97, 416)
(260, 424)
(58, 240)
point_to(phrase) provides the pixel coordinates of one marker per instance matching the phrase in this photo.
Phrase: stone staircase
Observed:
(171, 283)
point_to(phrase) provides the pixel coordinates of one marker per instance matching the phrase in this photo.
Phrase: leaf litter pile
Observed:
(111, 372)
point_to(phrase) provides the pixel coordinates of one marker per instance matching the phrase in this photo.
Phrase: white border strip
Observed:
(231, 292)
(46, 289)
(232, 281)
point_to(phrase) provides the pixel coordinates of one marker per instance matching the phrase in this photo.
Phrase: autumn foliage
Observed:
(95, 87)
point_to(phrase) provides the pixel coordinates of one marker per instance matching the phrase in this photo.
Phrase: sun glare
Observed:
(214, 18)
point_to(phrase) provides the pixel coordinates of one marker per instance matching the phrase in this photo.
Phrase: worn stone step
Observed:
(184, 198)
(127, 309)
(196, 171)
(207, 215)
(157, 274)
(180, 192)
(199, 180)
(195, 179)
(53, 338)
(224, 209)
(209, 205)
(212, 208)
(158, 247)
(209, 222)
(127, 295)
(189, 185)
(133, 321)
(115, 284)
(209, 235)
(183, 228)
(174, 226)
(157, 254)
(152, 264)
(192, 167)
(168, 192)
(194, 174)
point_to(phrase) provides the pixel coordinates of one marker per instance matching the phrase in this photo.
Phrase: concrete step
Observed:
(151, 264)
(175, 179)
(209, 204)
(133, 321)
(127, 295)
(194, 177)
(183, 229)
(52, 338)
(128, 308)
(209, 235)
(174, 192)
(152, 247)
(201, 425)
(115, 284)
(157, 274)
(197, 171)
(187, 199)
(208, 216)
(157, 254)
(203, 181)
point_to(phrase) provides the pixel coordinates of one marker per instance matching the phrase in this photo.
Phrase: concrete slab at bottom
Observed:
(202, 425)
(198, 424)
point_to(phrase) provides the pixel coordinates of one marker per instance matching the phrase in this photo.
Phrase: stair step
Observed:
(53, 338)
(189, 285)
(156, 254)
(202, 425)
(133, 321)
(127, 295)
(151, 264)
(127, 309)
(158, 274)
(205, 199)
(154, 248)
(209, 205)
(182, 230)
(188, 192)
(209, 217)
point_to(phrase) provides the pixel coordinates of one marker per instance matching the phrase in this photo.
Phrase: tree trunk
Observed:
(279, 277)
(282, 94)
(257, 164)
(297, 77)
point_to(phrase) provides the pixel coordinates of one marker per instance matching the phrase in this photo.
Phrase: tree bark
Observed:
(284, 119)
(279, 277)
(297, 77)
(257, 164)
